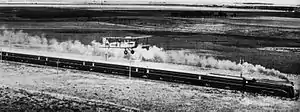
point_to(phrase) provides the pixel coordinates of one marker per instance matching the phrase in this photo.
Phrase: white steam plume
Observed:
(154, 54)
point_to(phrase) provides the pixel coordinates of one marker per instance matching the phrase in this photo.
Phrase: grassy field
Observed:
(72, 90)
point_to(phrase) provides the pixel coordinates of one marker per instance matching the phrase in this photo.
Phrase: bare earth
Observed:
(137, 94)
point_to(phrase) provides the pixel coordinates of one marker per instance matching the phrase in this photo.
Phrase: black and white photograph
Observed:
(149, 55)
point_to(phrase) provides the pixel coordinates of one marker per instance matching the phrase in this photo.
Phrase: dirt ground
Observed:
(39, 85)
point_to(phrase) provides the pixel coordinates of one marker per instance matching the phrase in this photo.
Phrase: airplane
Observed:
(127, 42)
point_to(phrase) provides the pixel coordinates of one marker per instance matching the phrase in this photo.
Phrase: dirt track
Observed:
(142, 94)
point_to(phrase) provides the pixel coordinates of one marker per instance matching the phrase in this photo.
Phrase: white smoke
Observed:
(154, 54)
(22, 38)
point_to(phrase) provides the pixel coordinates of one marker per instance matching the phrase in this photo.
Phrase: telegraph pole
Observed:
(57, 62)
(129, 67)
(241, 62)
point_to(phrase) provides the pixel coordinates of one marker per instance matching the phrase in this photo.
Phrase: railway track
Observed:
(268, 87)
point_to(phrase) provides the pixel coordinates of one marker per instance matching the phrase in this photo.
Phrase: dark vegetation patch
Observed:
(43, 13)
(21, 100)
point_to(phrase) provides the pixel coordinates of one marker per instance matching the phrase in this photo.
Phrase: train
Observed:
(266, 87)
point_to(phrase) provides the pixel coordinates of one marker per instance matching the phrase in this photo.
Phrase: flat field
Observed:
(46, 88)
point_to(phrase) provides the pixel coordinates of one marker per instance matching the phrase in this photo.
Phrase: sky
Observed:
(281, 2)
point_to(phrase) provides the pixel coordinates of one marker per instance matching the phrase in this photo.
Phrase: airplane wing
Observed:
(129, 37)
(114, 37)
(140, 37)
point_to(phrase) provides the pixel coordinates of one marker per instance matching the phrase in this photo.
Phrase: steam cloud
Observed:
(154, 54)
